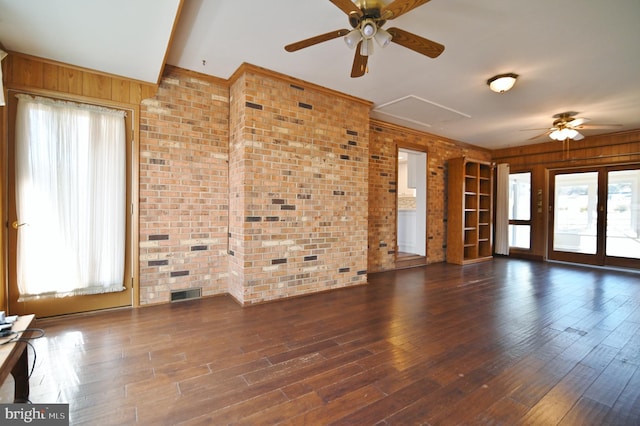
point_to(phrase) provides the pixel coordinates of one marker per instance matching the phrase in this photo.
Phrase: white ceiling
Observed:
(571, 55)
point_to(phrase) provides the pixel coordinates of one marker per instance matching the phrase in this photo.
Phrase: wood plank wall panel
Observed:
(120, 90)
(613, 148)
(28, 73)
(70, 81)
(25, 72)
(50, 80)
(96, 86)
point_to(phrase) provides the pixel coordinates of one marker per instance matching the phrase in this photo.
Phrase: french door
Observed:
(595, 216)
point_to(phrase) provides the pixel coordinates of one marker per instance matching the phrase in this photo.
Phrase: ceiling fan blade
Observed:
(597, 126)
(416, 43)
(347, 6)
(359, 63)
(539, 136)
(578, 122)
(315, 40)
(400, 7)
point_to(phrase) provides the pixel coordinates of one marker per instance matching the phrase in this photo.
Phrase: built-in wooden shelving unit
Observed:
(470, 211)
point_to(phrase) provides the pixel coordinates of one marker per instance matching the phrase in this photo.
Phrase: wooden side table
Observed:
(14, 359)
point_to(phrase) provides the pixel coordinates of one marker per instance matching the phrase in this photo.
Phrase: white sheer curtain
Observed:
(502, 210)
(71, 196)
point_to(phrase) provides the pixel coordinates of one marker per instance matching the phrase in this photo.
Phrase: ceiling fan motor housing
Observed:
(562, 122)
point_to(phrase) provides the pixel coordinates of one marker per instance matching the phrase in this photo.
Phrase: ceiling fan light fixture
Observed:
(366, 48)
(366, 17)
(368, 28)
(571, 133)
(502, 82)
(383, 38)
(556, 135)
(563, 134)
(353, 38)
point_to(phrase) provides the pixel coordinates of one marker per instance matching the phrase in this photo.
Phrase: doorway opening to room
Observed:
(411, 208)
(595, 216)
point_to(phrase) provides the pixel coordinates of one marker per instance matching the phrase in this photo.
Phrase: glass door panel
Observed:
(575, 220)
(623, 214)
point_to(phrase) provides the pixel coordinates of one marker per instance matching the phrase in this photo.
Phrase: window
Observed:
(520, 210)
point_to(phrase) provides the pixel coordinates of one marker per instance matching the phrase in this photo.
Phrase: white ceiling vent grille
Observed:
(419, 111)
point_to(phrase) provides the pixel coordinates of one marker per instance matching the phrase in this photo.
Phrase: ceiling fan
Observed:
(566, 124)
(366, 18)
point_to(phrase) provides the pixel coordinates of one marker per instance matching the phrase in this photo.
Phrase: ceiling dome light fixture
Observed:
(502, 82)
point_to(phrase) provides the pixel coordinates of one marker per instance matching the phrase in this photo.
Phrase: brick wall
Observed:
(384, 141)
(299, 188)
(308, 179)
(184, 135)
(236, 190)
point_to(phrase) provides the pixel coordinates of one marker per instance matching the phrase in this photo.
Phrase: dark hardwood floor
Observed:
(504, 342)
(409, 260)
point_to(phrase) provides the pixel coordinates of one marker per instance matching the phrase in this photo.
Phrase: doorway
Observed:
(69, 190)
(595, 216)
(411, 208)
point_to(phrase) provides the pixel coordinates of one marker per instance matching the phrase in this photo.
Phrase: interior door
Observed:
(45, 307)
(595, 216)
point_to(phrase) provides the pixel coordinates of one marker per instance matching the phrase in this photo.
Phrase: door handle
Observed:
(16, 225)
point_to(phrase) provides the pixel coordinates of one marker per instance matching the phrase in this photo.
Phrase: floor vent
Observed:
(180, 295)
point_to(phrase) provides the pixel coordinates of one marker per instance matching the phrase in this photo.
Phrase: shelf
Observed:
(469, 225)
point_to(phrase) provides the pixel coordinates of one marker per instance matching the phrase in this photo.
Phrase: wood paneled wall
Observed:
(27, 73)
(614, 148)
